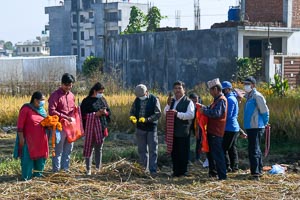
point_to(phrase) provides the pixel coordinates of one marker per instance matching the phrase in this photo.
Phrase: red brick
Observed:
(296, 14)
(264, 10)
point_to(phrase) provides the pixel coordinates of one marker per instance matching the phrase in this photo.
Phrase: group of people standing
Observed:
(32, 138)
(222, 128)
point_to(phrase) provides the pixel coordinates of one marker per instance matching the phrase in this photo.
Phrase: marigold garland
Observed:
(53, 123)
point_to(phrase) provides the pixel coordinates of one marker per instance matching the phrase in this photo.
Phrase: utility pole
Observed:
(197, 20)
(269, 42)
(177, 18)
(78, 34)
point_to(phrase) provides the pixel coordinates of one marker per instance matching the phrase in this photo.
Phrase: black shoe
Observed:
(212, 175)
(153, 174)
(186, 174)
(255, 177)
(257, 174)
(229, 169)
(235, 170)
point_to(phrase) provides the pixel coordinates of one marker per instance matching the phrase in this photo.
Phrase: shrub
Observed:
(247, 67)
(280, 86)
(92, 64)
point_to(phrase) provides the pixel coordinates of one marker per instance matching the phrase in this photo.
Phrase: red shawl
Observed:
(170, 118)
(202, 121)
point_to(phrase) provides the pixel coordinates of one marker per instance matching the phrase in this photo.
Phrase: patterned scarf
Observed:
(169, 137)
(92, 127)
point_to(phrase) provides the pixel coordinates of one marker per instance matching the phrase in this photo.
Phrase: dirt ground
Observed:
(125, 179)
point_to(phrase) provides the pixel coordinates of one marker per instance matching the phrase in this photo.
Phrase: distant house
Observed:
(5, 52)
(2, 51)
(269, 27)
(34, 48)
(262, 21)
(80, 27)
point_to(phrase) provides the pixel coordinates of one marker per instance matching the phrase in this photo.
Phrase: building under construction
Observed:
(80, 27)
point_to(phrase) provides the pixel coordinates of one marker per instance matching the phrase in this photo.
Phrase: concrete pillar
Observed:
(269, 65)
(67, 5)
(243, 10)
(240, 44)
(287, 12)
(284, 45)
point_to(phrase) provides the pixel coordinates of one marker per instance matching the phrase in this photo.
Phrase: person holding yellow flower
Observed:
(145, 112)
(32, 141)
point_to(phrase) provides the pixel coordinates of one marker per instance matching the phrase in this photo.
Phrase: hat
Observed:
(250, 79)
(213, 83)
(226, 84)
(140, 90)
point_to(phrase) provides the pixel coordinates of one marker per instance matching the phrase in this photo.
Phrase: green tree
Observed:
(8, 45)
(153, 19)
(92, 65)
(247, 67)
(136, 21)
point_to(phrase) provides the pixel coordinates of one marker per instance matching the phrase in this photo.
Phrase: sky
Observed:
(22, 20)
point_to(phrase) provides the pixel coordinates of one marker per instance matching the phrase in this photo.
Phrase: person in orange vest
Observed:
(195, 129)
(216, 114)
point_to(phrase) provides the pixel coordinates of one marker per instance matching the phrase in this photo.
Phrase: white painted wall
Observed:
(293, 44)
(42, 69)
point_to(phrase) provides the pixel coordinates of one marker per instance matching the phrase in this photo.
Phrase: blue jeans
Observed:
(254, 151)
(63, 150)
(147, 142)
(216, 156)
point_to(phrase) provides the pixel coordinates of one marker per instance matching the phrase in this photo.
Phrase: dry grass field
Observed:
(122, 178)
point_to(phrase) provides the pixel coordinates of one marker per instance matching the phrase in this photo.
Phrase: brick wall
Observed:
(264, 10)
(296, 14)
(291, 68)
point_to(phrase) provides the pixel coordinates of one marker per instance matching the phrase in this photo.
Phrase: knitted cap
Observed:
(140, 90)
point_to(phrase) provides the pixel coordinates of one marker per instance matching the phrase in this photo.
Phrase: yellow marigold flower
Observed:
(142, 120)
(132, 118)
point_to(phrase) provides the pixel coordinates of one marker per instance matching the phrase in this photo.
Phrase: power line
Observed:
(190, 16)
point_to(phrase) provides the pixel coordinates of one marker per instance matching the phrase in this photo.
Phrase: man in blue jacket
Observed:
(256, 117)
(231, 129)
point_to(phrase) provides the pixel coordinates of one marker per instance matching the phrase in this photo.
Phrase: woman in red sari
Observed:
(32, 141)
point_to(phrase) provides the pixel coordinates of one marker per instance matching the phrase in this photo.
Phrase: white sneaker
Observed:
(89, 172)
(205, 164)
